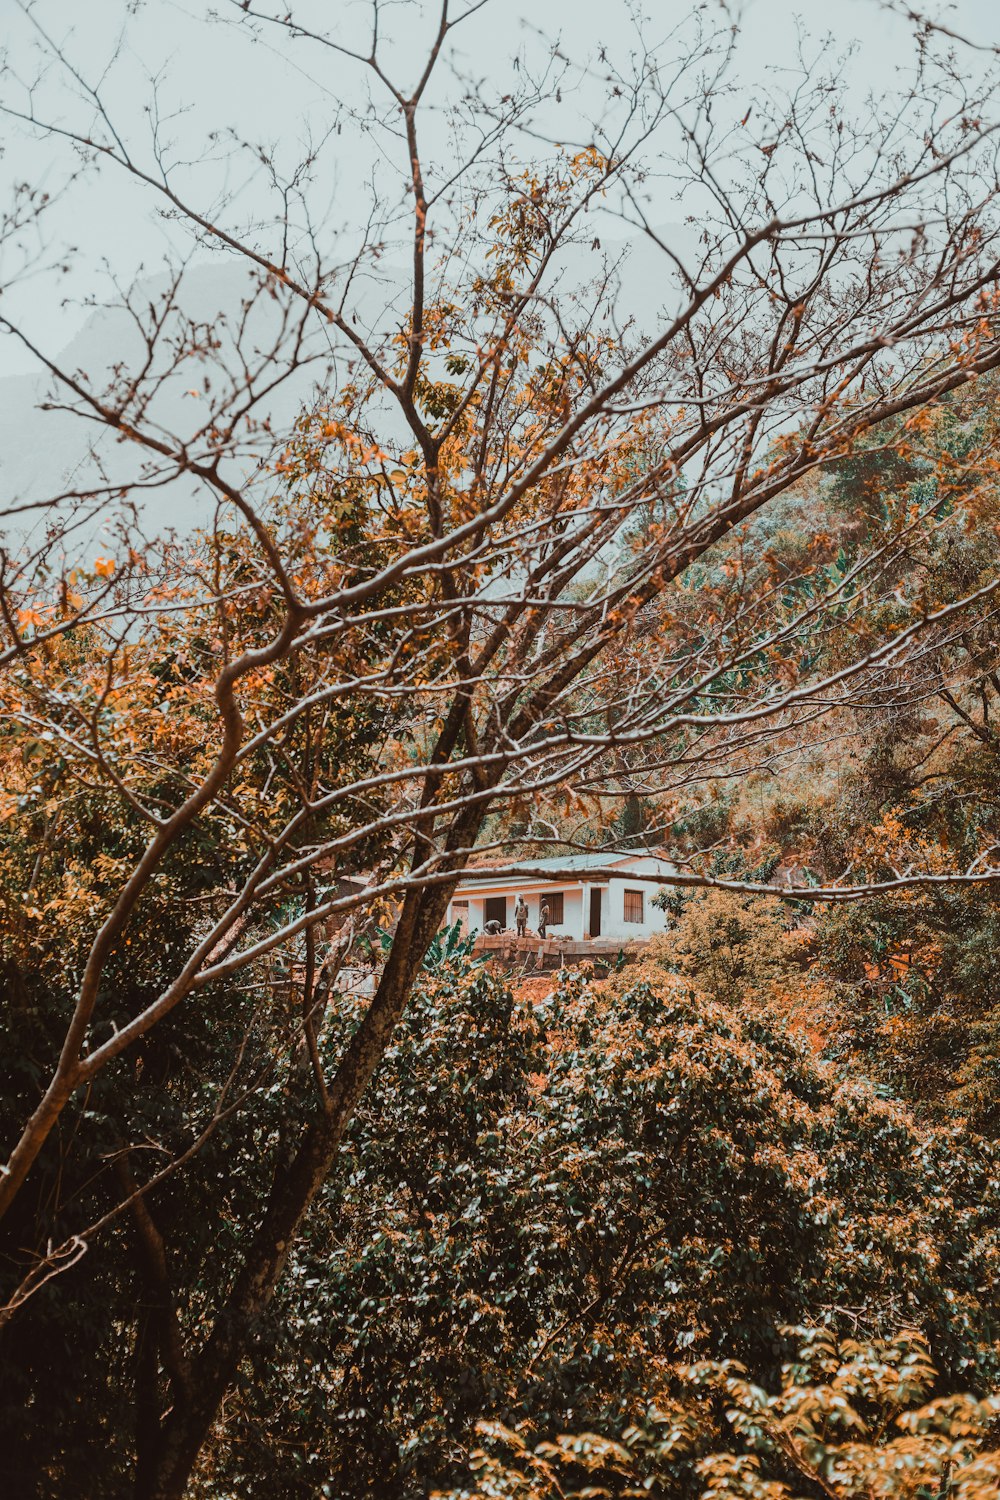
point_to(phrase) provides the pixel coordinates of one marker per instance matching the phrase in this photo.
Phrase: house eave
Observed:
(502, 888)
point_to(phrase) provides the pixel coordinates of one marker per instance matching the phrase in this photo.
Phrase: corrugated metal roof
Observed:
(582, 861)
(561, 862)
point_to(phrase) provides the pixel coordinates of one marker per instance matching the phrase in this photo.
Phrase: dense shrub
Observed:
(545, 1211)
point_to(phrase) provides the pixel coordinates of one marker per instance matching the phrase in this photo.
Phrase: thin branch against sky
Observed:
(207, 85)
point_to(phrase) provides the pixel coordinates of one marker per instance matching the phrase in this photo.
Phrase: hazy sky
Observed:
(214, 77)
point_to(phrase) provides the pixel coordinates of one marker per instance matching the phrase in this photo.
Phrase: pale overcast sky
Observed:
(215, 77)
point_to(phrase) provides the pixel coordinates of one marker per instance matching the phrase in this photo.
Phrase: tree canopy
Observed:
(482, 565)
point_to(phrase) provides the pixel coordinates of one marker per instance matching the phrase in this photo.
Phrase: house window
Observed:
(460, 913)
(495, 910)
(634, 906)
(554, 901)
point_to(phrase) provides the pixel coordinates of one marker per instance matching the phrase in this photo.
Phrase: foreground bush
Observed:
(849, 1420)
(545, 1214)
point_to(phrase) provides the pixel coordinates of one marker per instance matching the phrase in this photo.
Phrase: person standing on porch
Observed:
(521, 916)
(543, 918)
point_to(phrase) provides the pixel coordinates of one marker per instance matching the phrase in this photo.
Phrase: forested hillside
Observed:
(903, 777)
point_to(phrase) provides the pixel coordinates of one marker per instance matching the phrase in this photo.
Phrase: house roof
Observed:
(583, 861)
(560, 862)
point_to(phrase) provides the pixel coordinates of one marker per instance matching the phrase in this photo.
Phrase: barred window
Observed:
(634, 906)
(554, 901)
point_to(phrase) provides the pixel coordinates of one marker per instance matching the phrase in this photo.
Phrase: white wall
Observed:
(476, 918)
(571, 925)
(615, 925)
(473, 914)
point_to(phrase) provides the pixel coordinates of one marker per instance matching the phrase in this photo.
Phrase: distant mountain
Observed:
(43, 453)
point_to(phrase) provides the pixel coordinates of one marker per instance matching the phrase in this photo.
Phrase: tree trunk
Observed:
(293, 1193)
(147, 1404)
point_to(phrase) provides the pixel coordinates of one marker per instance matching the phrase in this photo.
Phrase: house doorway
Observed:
(495, 910)
(595, 913)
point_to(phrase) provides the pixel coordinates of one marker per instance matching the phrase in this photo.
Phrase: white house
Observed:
(613, 906)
